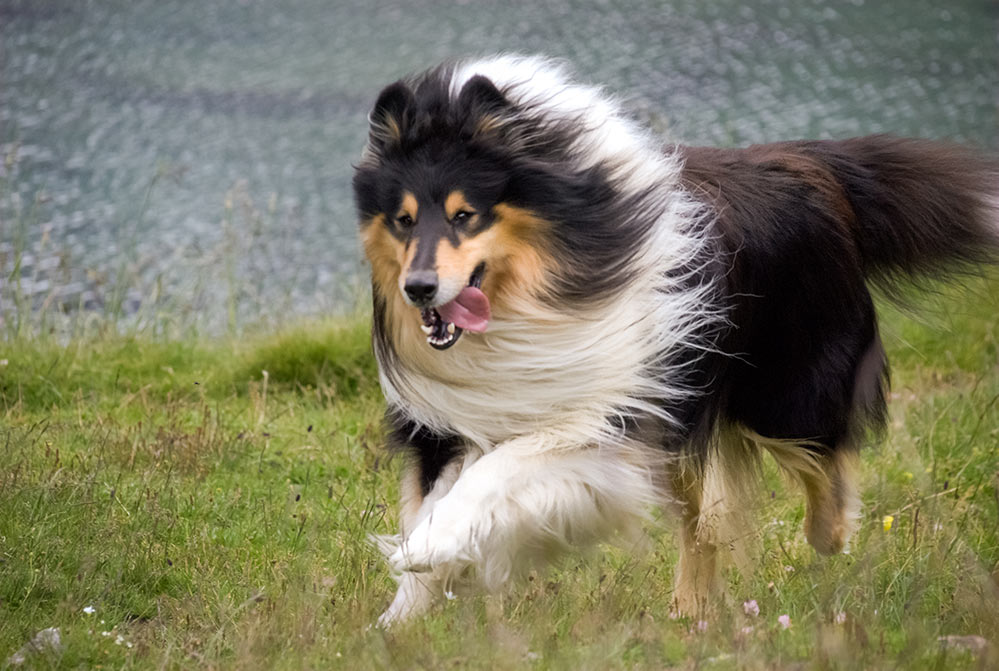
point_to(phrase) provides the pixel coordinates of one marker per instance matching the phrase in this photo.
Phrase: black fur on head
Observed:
(387, 119)
(408, 114)
(424, 142)
(429, 140)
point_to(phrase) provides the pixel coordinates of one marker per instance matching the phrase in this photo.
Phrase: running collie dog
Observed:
(575, 322)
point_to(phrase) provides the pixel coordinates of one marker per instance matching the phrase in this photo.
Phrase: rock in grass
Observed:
(45, 641)
(973, 643)
(977, 645)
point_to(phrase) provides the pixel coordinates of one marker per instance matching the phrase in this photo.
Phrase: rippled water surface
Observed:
(195, 158)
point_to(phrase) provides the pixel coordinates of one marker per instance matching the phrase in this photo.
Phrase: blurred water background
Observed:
(187, 164)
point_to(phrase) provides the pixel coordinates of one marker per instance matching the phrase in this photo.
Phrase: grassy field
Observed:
(206, 503)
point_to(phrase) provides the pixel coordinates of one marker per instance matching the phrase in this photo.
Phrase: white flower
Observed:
(89, 610)
(840, 617)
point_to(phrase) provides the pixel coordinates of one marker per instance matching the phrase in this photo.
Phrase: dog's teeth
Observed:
(426, 329)
(450, 328)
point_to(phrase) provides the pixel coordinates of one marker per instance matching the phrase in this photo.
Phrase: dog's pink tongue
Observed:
(469, 310)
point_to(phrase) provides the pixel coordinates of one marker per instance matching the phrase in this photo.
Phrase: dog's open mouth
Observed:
(468, 311)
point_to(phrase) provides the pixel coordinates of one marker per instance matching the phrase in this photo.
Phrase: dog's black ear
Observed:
(480, 93)
(483, 105)
(388, 118)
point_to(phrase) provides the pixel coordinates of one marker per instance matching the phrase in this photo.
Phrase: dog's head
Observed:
(440, 197)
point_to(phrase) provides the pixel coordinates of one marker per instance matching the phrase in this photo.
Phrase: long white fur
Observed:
(536, 395)
(516, 506)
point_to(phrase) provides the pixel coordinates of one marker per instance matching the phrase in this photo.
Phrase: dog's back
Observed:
(803, 227)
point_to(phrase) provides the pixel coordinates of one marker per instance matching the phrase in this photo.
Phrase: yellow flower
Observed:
(887, 522)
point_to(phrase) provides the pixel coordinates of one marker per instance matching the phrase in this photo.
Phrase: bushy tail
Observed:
(919, 206)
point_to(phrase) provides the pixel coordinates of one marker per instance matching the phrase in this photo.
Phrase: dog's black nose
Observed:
(421, 286)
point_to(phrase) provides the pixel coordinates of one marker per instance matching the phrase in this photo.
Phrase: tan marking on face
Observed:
(455, 203)
(518, 263)
(385, 252)
(512, 248)
(455, 264)
(409, 206)
(388, 255)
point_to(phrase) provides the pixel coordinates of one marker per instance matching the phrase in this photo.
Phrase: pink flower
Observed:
(785, 621)
(840, 618)
(751, 607)
(702, 626)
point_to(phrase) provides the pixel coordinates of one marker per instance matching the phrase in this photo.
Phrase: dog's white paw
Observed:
(416, 594)
(439, 540)
(395, 613)
(386, 543)
(425, 549)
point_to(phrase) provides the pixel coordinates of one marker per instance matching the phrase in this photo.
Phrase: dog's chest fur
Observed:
(543, 372)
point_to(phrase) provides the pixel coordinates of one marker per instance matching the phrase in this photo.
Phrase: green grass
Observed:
(215, 515)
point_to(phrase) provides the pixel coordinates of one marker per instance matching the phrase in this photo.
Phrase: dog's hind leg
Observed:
(830, 484)
(833, 502)
(711, 493)
(696, 571)
(829, 474)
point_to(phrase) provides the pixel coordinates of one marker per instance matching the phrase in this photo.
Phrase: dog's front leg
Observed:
(529, 496)
(417, 592)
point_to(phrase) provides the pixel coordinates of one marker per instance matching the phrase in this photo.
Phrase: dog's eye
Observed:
(462, 217)
(405, 221)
